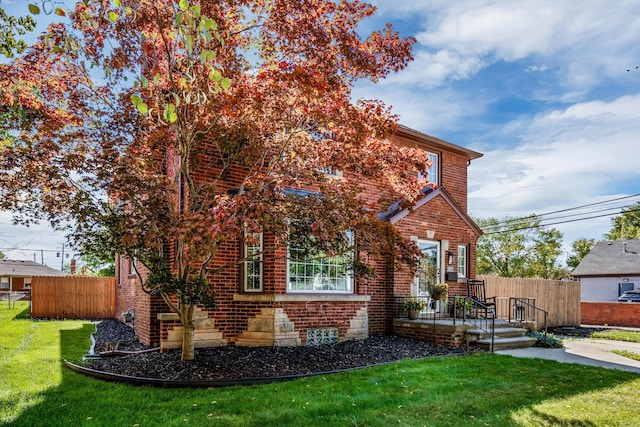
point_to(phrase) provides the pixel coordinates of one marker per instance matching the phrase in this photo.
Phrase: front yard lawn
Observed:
(618, 335)
(484, 389)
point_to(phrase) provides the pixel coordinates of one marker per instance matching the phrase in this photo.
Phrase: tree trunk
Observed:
(188, 335)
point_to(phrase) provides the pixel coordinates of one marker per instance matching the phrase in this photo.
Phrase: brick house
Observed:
(276, 301)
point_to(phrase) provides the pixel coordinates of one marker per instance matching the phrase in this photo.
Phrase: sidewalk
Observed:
(586, 351)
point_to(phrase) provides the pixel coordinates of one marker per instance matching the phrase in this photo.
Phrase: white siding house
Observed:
(609, 269)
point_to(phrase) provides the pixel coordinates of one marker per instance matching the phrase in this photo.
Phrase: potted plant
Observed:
(462, 306)
(413, 305)
(438, 291)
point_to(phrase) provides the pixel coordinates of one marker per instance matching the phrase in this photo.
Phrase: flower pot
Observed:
(414, 314)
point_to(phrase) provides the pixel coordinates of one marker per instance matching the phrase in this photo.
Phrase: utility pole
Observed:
(62, 259)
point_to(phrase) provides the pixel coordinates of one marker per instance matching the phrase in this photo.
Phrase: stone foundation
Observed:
(206, 334)
(358, 326)
(271, 327)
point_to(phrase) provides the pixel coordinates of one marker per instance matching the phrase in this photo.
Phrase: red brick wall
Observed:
(438, 217)
(232, 316)
(131, 298)
(610, 313)
(453, 336)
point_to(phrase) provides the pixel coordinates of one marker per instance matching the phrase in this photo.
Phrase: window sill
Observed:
(302, 298)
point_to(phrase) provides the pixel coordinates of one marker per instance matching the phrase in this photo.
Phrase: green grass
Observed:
(628, 354)
(484, 389)
(618, 335)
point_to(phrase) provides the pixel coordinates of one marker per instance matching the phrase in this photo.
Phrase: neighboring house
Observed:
(610, 268)
(15, 275)
(279, 302)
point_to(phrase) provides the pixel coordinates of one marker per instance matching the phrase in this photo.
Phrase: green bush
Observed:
(547, 341)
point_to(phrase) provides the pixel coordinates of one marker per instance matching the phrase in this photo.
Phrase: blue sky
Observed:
(540, 87)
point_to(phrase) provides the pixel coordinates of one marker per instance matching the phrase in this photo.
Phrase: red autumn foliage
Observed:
(127, 101)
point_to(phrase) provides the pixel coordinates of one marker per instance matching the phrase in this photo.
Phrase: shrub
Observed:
(547, 341)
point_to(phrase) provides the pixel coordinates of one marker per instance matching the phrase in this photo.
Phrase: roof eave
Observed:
(422, 139)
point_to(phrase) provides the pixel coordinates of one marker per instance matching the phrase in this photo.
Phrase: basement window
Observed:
(322, 336)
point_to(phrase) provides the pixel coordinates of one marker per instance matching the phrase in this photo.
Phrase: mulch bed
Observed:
(240, 363)
(575, 331)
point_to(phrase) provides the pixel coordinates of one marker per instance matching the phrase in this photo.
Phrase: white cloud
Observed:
(38, 243)
(428, 110)
(585, 39)
(564, 158)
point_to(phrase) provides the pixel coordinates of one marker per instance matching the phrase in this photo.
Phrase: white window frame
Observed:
(4, 283)
(433, 173)
(249, 263)
(133, 269)
(462, 261)
(27, 283)
(416, 291)
(337, 267)
(331, 171)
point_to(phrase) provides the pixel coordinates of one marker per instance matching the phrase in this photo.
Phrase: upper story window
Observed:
(331, 171)
(433, 172)
(253, 263)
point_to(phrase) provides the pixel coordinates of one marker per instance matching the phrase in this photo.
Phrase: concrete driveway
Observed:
(586, 351)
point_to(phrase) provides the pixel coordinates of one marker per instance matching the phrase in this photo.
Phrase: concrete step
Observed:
(502, 332)
(507, 343)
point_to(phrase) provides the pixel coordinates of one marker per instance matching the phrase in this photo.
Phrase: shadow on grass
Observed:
(23, 315)
(458, 391)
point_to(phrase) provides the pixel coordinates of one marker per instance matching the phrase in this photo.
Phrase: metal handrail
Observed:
(520, 301)
(490, 316)
(485, 324)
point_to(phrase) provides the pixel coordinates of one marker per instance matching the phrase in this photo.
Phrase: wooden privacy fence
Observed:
(560, 298)
(73, 297)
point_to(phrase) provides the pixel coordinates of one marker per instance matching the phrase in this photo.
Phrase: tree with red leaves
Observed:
(110, 119)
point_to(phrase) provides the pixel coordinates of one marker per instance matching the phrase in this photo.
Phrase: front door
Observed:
(429, 270)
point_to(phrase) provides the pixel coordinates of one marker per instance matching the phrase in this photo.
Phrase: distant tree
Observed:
(2, 255)
(97, 264)
(518, 247)
(580, 249)
(626, 225)
(10, 27)
(546, 250)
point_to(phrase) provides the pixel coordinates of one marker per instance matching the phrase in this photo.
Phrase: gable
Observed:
(396, 212)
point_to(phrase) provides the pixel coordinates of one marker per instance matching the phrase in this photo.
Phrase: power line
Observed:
(558, 222)
(541, 217)
(526, 220)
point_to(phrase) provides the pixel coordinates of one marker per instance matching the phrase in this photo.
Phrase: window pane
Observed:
(432, 172)
(329, 274)
(462, 261)
(253, 264)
